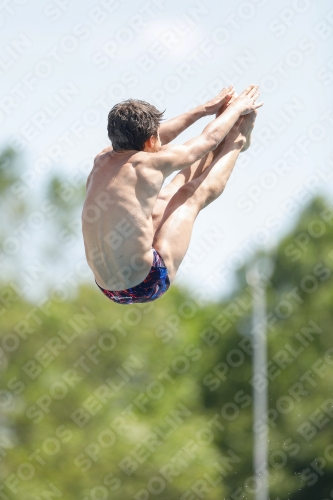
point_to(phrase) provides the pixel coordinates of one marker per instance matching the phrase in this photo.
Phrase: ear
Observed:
(151, 141)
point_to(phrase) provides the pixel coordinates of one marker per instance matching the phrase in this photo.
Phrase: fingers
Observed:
(232, 98)
(227, 90)
(248, 89)
(256, 95)
(227, 97)
(253, 91)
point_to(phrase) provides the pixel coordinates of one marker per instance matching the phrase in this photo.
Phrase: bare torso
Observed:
(117, 218)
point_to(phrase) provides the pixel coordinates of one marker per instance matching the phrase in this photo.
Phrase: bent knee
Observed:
(191, 192)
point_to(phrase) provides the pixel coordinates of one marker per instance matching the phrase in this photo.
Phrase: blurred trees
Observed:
(40, 234)
(101, 401)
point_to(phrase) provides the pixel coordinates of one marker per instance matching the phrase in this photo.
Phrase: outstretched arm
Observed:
(180, 157)
(170, 129)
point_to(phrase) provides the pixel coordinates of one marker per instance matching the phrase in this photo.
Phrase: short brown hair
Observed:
(131, 123)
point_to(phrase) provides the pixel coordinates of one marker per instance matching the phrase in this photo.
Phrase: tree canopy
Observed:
(101, 401)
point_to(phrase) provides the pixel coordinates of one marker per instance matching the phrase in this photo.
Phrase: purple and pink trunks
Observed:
(151, 288)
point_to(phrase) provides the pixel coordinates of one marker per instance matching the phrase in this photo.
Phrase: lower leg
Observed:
(216, 175)
(199, 170)
(202, 167)
(173, 234)
(183, 177)
(187, 175)
(214, 179)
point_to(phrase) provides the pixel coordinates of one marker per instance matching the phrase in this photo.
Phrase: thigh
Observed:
(173, 235)
(163, 199)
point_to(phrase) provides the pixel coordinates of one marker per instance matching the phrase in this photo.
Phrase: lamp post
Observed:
(257, 276)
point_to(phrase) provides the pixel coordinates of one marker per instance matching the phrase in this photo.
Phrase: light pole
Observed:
(257, 276)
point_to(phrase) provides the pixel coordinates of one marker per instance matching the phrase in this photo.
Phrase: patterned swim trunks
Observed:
(151, 288)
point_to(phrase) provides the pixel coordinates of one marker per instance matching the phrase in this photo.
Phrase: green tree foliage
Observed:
(101, 401)
(300, 365)
(41, 222)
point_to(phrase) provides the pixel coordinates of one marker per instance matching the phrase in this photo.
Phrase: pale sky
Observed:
(64, 64)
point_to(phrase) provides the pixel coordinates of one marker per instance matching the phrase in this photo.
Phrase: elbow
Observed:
(212, 141)
(166, 138)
